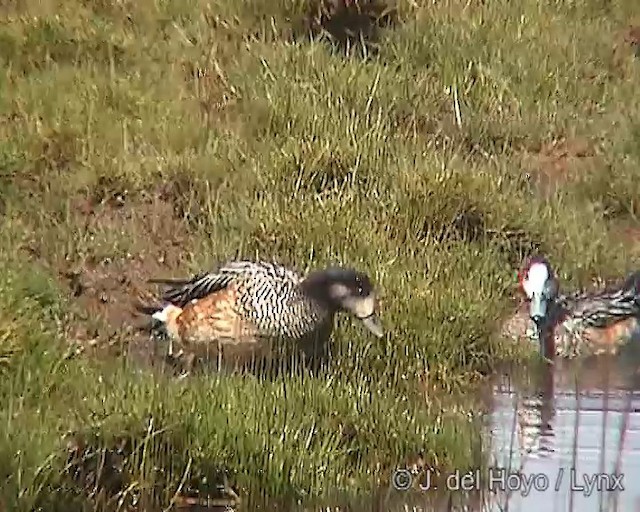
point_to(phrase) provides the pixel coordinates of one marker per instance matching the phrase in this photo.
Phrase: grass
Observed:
(433, 145)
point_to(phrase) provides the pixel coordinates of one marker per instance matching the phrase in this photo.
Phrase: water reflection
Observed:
(564, 425)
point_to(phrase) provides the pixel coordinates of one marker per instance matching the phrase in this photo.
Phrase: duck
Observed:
(240, 309)
(577, 324)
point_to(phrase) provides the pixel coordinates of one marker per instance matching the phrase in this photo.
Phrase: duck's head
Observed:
(539, 284)
(349, 290)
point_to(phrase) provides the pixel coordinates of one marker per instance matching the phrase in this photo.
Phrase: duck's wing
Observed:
(181, 292)
(605, 308)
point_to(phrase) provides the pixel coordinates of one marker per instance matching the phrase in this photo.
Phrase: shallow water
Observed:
(555, 429)
(573, 431)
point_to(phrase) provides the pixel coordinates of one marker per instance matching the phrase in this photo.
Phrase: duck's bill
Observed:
(372, 322)
(538, 315)
(538, 309)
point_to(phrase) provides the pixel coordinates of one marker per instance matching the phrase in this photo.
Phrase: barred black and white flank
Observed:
(244, 305)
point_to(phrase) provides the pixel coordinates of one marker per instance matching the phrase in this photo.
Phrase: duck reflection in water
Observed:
(603, 384)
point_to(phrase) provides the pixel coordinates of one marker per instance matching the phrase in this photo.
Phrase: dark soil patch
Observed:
(626, 49)
(348, 23)
(464, 222)
(106, 290)
(103, 473)
(515, 245)
(628, 41)
(628, 234)
(218, 100)
(561, 162)
(632, 38)
(469, 224)
(439, 127)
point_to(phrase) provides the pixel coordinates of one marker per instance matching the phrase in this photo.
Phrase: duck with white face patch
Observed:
(580, 323)
(238, 310)
(541, 289)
